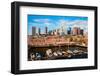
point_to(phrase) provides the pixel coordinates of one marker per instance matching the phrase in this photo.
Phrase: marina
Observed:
(57, 52)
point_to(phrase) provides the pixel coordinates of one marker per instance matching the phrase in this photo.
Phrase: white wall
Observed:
(5, 41)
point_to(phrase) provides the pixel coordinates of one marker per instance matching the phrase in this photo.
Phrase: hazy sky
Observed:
(53, 22)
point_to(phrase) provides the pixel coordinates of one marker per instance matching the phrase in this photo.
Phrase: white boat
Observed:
(32, 56)
(49, 53)
(69, 56)
(59, 53)
(75, 51)
(69, 51)
(55, 54)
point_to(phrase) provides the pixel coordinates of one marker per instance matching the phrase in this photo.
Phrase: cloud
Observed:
(42, 20)
(62, 22)
(83, 24)
(31, 23)
(78, 23)
(55, 24)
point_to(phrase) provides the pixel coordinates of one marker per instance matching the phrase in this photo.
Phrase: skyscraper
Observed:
(39, 31)
(46, 30)
(69, 31)
(78, 31)
(75, 31)
(33, 31)
(81, 32)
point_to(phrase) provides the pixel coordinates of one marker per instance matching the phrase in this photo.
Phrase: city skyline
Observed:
(56, 22)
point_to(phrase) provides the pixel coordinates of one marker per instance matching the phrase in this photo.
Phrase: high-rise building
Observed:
(69, 31)
(33, 31)
(46, 30)
(39, 31)
(76, 31)
(81, 32)
(58, 32)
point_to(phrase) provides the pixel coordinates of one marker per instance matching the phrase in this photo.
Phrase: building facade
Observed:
(33, 31)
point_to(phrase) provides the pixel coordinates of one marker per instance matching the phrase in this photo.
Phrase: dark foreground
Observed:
(55, 53)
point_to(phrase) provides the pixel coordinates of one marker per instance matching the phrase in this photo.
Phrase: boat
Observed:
(49, 53)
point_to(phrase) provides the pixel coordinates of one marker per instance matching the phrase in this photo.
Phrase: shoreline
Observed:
(58, 46)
